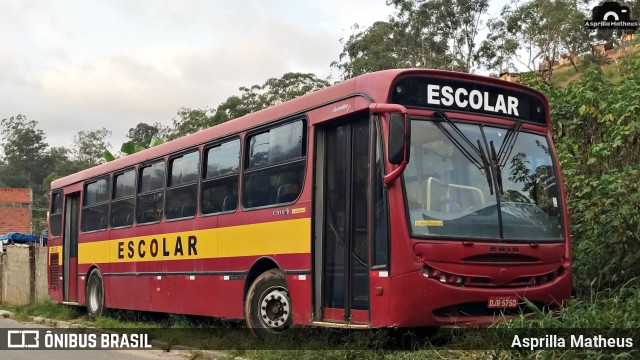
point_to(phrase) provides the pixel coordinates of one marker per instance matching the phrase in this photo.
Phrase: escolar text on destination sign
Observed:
(156, 248)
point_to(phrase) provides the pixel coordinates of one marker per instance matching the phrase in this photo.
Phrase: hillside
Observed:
(563, 74)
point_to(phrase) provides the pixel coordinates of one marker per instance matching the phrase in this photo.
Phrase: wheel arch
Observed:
(261, 265)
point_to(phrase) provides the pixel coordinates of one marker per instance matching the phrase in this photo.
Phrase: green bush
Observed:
(596, 128)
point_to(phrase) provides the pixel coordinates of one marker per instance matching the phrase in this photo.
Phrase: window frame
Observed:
(302, 159)
(53, 194)
(134, 196)
(204, 163)
(168, 174)
(162, 190)
(84, 200)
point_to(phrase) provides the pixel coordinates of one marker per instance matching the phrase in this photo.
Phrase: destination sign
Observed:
(466, 96)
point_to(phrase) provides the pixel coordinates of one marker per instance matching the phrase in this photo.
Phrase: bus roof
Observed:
(375, 85)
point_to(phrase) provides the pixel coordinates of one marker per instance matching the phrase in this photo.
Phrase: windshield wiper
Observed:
(497, 169)
(483, 164)
(508, 143)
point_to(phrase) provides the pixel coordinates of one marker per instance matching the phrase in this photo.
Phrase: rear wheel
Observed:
(94, 297)
(267, 307)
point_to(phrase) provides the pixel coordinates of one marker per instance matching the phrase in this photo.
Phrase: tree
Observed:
(274, 91)
(257, 97)
(497, 51)
(26, 162)
(544, 29)
(436, 34)
(378, 47)
(88, 146)
(144, 133)
(24, 149)
(188, 121)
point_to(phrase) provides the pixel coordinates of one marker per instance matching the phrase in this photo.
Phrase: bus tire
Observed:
(94, 296)
(267, 308)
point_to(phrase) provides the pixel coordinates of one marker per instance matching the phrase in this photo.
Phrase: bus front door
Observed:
(70, 247)
(341, 246)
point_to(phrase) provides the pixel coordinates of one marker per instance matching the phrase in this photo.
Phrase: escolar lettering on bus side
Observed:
(157, 248)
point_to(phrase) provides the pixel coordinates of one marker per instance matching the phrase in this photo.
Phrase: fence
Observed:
(23, 274)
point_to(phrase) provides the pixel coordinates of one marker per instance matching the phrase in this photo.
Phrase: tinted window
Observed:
(223, 159)
(152, 177)
(55, 216)
(276, 145)
(56, 203)
(124, 184)
(123, 201)
(281, 182)
(95, 213)
(182, 193)
(220, 186)
(184, 169)
(149, 205)
(96, 192)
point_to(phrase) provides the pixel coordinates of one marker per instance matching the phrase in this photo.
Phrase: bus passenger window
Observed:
(123, 199)
(220, 178)
(95, 211)
(149, 207)
(55, 219)
(275, 166)
(182, 190)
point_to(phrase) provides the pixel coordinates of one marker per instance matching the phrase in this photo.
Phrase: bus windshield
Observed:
(450, 196)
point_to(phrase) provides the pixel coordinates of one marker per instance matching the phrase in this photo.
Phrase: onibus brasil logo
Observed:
(611, 15)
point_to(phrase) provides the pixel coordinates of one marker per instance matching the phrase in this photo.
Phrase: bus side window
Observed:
(123, 199)
(95, 211)
(149, 206)
(275, 166)
(220, 178)
(182, 190)
(55, 219)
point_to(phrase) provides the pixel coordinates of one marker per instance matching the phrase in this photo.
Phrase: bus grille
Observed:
(54, 270)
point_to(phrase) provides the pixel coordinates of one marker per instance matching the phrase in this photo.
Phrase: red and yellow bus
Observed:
(401, 198)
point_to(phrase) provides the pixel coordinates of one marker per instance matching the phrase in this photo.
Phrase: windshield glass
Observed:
(449, 195)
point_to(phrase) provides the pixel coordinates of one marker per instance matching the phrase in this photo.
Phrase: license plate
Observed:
(502, 302)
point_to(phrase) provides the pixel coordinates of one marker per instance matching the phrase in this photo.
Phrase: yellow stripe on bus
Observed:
(278, 237)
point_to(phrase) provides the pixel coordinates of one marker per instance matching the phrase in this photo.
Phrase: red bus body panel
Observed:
(399, 296)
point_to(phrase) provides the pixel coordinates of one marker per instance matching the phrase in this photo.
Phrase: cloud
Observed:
(90, 64)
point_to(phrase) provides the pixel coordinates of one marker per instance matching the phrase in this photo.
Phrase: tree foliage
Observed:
(26, 161)
(541, 31)
(257, 97)
(88, 146)
(144, 133)
(435, 34)
(596, 126)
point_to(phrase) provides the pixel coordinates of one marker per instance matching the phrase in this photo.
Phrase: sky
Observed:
(77, 65)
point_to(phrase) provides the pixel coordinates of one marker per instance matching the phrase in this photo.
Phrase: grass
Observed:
(597, 313)
(47, 309)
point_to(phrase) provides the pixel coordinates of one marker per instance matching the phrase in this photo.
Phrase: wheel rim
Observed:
(94, 294)
(275, 309)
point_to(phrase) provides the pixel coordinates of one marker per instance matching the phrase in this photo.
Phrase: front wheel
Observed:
(267, 307)
(94, 297)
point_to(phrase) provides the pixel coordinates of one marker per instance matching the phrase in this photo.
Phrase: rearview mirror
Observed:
(399, 138)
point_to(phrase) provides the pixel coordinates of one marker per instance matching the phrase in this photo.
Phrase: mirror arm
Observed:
(392, 176)
(377, 108)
